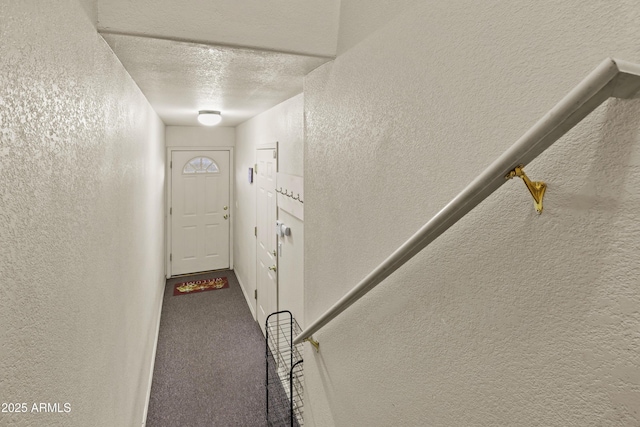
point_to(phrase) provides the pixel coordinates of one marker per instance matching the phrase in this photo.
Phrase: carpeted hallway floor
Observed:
(209, 368)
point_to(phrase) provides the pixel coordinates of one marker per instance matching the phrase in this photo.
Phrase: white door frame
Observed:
(267, 146)
(167, 217)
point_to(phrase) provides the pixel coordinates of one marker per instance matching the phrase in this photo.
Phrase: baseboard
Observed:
(153, 357)
(252, 307)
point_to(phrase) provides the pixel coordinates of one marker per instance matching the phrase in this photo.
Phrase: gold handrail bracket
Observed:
(314, 343)
(536, 188)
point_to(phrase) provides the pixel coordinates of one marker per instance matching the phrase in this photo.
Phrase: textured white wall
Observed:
(91, 10)
(359, 18)
(284, 124)
(303, 26)
(200, 136)
(509, 318)
(81, 225)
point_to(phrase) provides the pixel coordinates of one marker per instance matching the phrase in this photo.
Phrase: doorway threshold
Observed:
(197, 273)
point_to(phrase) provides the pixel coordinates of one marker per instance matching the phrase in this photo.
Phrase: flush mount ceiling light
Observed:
(209, 117)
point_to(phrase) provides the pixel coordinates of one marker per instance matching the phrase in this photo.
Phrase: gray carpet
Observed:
(210, 361)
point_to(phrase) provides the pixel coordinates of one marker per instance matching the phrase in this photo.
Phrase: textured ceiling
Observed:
(180, 78)
(302, 26)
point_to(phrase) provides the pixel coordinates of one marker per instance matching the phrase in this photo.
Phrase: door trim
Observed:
(266, 146)
(167, 218)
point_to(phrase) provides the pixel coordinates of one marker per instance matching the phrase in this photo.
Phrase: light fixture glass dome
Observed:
(209, 117)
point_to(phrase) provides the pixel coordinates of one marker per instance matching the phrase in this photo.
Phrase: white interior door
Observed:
(267, 260)
(199, 211)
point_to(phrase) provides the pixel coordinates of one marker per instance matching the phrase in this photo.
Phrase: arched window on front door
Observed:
(200, 165)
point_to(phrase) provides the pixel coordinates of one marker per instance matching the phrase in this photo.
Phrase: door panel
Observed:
(267, 279)
(189, 197)
(212, 235)
(212, 186)
(199, 192)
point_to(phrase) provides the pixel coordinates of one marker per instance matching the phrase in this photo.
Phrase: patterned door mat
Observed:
(196, 286)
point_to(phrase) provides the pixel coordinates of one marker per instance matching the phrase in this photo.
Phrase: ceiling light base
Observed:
(209, 117)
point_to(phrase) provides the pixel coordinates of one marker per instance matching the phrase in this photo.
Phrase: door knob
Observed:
(226, 216)
(225, 208)
(273, 268)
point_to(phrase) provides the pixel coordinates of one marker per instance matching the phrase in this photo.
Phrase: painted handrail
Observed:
(612, 78)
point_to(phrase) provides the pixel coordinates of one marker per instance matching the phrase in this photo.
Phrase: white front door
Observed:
(267, 276)
(199, 211)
